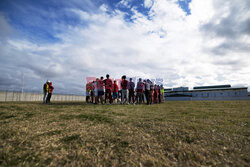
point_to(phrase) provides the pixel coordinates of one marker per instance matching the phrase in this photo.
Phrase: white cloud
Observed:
(148, 3)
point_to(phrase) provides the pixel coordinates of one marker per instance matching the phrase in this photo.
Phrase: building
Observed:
(217, 92)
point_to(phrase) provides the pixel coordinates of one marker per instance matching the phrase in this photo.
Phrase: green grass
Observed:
(201, 133)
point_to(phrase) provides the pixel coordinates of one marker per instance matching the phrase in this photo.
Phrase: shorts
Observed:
(100, 92)
(95, 93)
(115, 95)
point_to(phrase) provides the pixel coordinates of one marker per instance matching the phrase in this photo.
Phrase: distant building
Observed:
(217, 92)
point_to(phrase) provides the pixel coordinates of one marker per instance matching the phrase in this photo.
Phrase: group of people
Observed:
(101, 90)
(47, 91)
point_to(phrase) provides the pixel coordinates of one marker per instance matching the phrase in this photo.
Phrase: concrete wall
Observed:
(18, 96)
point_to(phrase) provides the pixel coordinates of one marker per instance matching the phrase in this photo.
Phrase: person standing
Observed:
(147, 90)
(131, 91)
(115, 91)
(124, 86)
(51, 88)
(96, 91)
(151, 93)
(45, 91)
(108, 89)
(100, 89)
(87, 92)
(162, 93)
(91, 86)
(139, 91)
(159, 93)
(156, 94)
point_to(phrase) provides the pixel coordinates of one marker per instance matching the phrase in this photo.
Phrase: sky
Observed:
(184, 42)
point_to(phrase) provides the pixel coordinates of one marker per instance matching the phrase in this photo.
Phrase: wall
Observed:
(227, 94)
(18, 96)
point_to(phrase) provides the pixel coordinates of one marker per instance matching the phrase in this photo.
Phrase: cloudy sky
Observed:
(185, 42)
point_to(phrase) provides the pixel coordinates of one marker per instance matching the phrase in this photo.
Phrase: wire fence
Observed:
(27, 96)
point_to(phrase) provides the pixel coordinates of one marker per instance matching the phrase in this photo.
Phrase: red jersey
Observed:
(108, 84)
(115, 88)
(124, 84)
(100, 84)
(51, 88)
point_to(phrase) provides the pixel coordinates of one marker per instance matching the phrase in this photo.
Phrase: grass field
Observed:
(201, 133)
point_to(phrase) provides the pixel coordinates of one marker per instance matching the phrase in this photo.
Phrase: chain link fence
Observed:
(27, 96)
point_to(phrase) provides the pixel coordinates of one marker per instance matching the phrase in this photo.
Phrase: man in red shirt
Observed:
(115, 91)
(124, 86)
(108, 89)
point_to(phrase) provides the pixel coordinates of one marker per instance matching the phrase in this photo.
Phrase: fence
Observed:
(25, 96)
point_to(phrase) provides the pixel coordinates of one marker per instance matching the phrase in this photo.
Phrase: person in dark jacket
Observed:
(131, 90)
(45, 91)
(139, 91)
(108, 89)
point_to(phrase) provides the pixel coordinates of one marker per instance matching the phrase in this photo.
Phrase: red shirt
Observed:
(115, 88)
(51, 88)
(139, 87)
(108, 85)
(100, 84)
(124, 84)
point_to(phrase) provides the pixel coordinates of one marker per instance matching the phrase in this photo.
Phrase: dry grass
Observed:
(205, 133)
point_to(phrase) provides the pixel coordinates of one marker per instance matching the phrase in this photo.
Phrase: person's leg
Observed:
(110, 97)
(105, 97)
(122, 97)
(133, 97)
(147, 96)
(142, 97)
(150, 97)
(45, 97)
(137, 98)
(48, 98)
(129, 96)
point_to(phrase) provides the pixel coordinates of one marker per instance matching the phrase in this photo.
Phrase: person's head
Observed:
(140, 79)
(114, 81)
(107, 76)
(97, 79)
(131, 79)
(48, 81)
(101, 77)
(123, 77)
